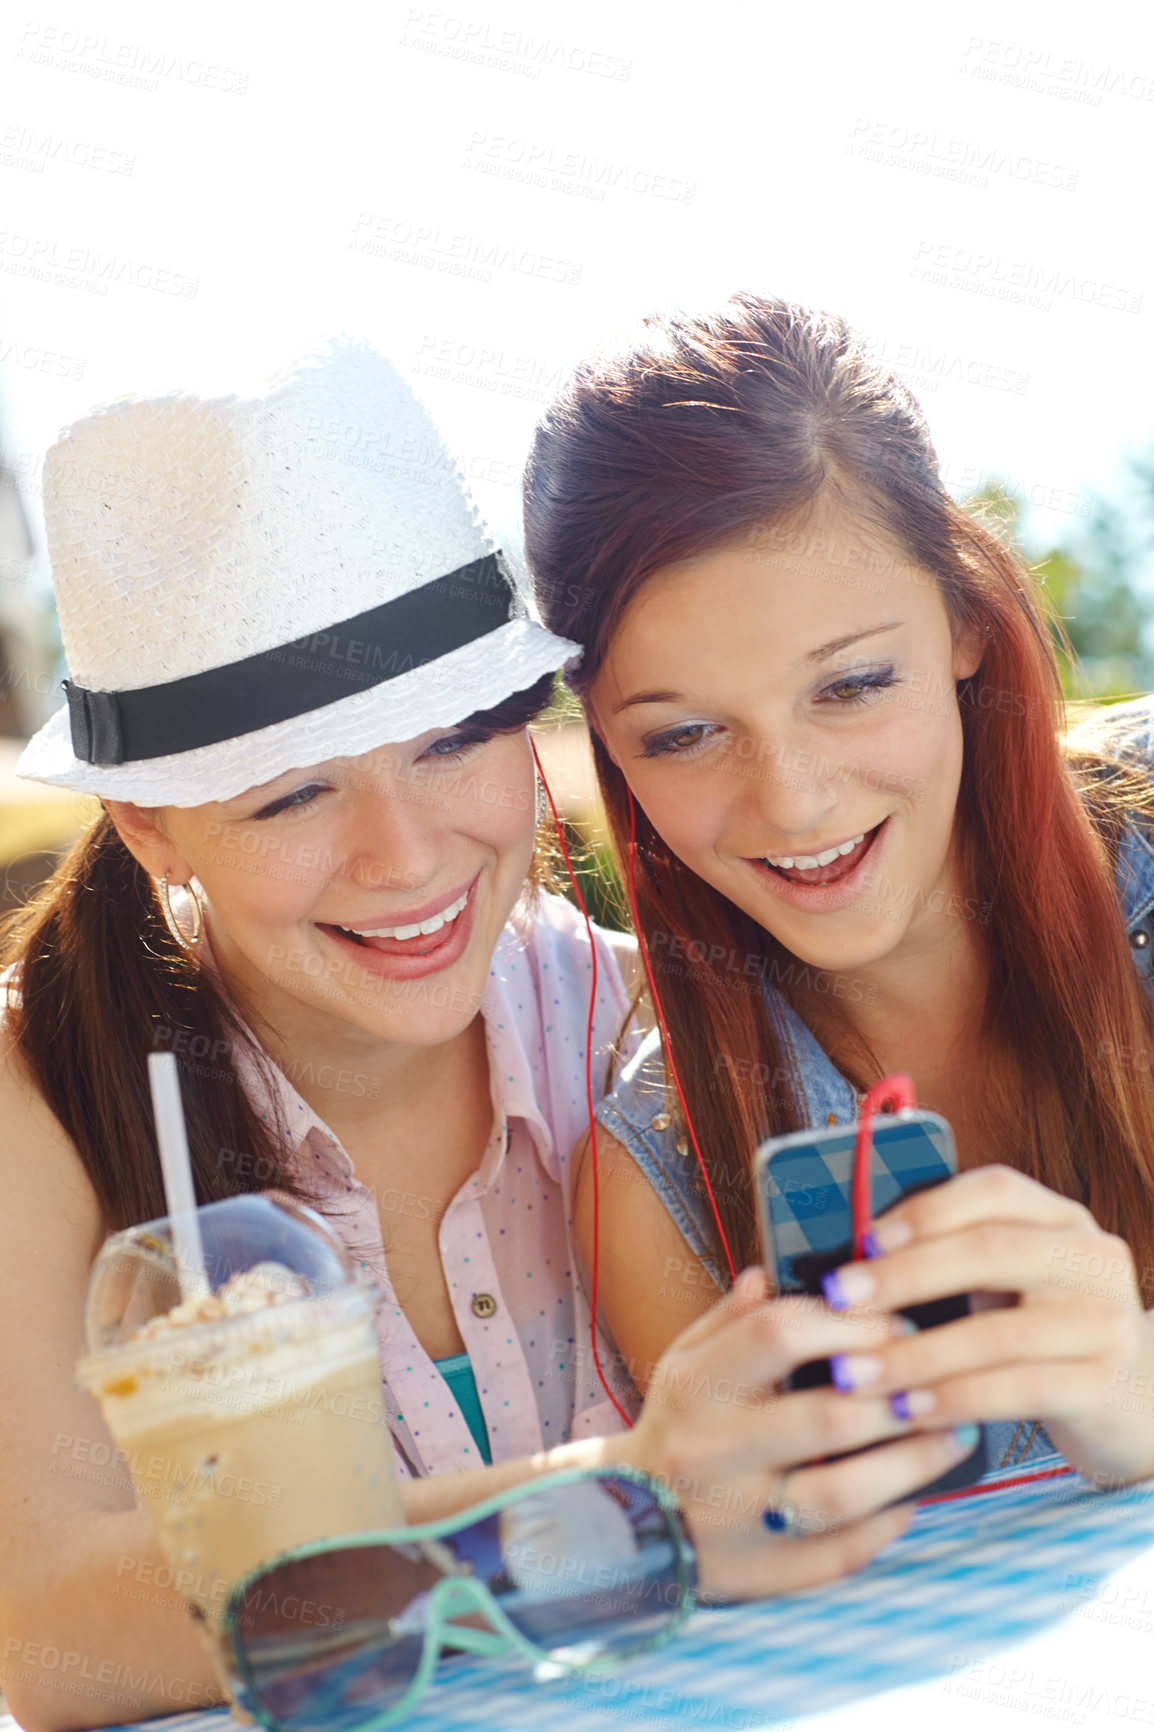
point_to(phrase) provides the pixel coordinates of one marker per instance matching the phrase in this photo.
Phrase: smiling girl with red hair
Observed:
(830, 736)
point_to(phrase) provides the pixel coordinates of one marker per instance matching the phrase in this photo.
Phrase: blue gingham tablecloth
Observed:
(972, 1578)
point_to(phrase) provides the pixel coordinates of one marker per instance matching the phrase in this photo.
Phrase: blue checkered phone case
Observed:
(803, 1190)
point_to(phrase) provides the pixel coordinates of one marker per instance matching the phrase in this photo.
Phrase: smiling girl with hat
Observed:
(371, 1005)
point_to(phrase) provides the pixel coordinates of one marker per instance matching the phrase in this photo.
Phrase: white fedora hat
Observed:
(252, 585)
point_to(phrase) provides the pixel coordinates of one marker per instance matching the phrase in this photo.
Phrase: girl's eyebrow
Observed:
(817, 655)
(840, 643)
(648, 698)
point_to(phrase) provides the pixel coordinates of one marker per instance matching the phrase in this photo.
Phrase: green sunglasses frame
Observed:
(458, 1596)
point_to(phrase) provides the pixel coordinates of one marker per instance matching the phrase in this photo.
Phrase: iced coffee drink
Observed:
(250, 1415)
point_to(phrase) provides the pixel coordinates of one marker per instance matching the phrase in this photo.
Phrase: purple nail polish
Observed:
(840, 1372)
(900, 1405)
(831, 1286)
(870, 1246)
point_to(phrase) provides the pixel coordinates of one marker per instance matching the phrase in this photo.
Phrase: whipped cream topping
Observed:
(243, 1294)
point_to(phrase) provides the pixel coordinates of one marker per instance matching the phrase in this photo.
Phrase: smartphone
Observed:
(803, 1185)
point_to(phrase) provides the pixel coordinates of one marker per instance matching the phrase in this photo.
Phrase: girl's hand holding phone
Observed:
(719, 1430)
(1058, 1333)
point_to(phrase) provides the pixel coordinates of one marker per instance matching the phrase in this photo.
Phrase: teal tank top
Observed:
(458, 1374)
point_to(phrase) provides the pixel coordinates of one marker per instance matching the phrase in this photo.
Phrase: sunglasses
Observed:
(577, 1571)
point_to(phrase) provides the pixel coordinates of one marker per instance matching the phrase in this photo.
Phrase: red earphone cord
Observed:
(588, 1080)
(897, 1092)
(668, 1044)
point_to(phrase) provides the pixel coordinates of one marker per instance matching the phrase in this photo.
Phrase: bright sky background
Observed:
(969, 185)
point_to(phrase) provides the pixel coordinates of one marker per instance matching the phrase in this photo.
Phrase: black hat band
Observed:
(305, 674)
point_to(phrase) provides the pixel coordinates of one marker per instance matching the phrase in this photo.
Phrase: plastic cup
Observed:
(250, 1432)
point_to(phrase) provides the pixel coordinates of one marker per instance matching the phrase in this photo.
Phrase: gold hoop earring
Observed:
(186, 942)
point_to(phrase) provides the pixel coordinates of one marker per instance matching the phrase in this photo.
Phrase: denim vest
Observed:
(636, 1111)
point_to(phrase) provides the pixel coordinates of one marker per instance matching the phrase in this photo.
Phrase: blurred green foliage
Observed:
(596, 872)
(590, 856)
(1089, 585)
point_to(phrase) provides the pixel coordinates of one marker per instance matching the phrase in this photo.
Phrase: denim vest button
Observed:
(661, 1123)
(1139, 938)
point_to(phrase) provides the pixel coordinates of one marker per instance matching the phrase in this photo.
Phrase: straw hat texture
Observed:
(251, 585)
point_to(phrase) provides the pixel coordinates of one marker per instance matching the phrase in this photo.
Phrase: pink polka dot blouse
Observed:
(518, 1290)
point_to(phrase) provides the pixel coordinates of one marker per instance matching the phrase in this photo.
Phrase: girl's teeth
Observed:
(806, 862)
(425, 927)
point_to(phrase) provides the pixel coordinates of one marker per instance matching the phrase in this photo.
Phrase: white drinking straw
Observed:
(164, 1081)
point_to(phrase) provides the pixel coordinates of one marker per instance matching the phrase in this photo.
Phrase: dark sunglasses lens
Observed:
(582, 1570)
(328, 1642)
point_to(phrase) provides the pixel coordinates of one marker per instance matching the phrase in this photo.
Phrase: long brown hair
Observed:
(98, 982)
(706, 430)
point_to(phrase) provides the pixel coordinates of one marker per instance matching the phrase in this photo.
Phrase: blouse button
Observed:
(682, 1146)
(661, 1123)
(484, 1305)
(1139, 938)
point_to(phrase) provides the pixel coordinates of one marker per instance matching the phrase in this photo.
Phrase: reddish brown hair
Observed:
(99, 982)
(696, 434)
